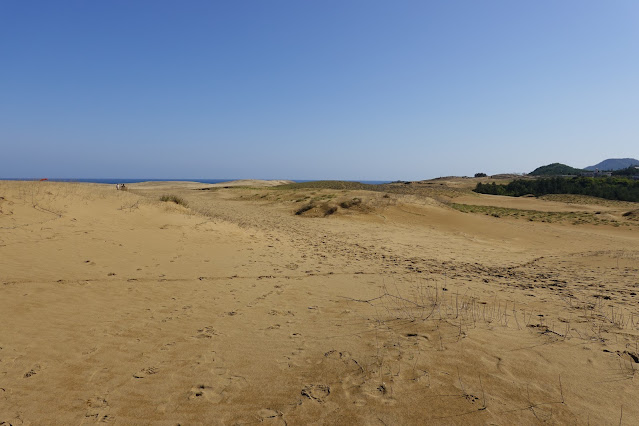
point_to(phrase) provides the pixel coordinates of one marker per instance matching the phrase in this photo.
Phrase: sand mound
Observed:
(255, 183)
(351, 205)
(169, 185)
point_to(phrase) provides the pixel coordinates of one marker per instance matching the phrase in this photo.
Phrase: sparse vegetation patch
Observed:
(304, 208)
(540, 216)
(313, 209)
(174, 199)
(330, 210)
(632, 215)
(350, 203)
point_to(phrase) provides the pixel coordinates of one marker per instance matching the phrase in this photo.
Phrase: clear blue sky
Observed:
(314, 89)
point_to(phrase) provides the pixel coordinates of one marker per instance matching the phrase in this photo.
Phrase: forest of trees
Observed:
(555, 169)
(629, 171)
(612, 188)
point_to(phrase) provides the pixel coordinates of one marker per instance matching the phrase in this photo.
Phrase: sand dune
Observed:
(396, 309)
(165, 185)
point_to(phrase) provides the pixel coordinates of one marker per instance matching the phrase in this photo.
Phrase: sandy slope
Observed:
(167, 185)
(119, 308)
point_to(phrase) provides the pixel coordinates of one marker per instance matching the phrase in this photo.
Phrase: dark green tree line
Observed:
(611, 188)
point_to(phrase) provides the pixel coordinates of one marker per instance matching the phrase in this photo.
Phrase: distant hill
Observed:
(614, 164)
(555, 169)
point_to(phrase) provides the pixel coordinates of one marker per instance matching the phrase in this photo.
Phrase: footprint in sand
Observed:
(346, 358)
(220, 371)
(266, 413)
(206, 333)
(281, 313)
(219, 389)
(97, 409)
(205, 392)
(271, 417)
(379, 391)
(167, 346)
(35, 370)
(317, 393)
(145, 372)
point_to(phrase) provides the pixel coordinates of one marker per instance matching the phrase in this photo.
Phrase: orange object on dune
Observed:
(43, 179)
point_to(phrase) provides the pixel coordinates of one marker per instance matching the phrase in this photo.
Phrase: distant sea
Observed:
(114, 181)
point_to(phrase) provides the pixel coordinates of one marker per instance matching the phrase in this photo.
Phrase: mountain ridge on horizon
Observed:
(614, 164)
(610, 164)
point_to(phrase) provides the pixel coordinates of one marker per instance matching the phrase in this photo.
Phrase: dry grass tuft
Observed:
(350, 203)
(174, 199)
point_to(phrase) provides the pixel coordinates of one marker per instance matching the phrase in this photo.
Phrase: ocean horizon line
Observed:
(132, 180)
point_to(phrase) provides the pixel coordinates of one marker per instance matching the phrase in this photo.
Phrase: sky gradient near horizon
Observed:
(358, 90)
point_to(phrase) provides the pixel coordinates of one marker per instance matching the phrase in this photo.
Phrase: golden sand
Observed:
(394, 310)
